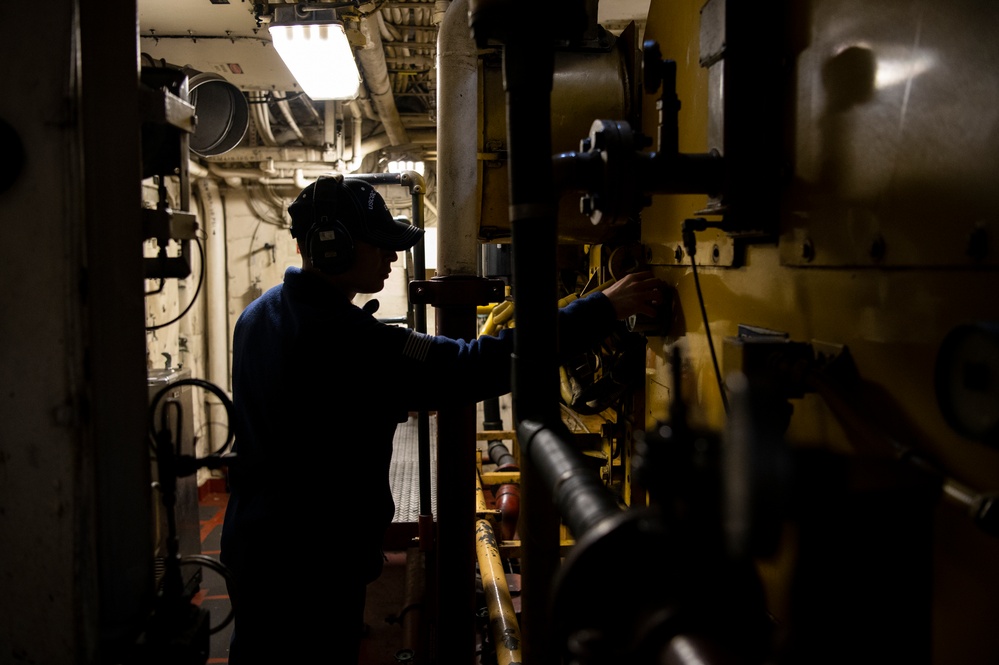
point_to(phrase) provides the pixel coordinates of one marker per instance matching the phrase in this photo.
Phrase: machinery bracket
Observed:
(450, 291)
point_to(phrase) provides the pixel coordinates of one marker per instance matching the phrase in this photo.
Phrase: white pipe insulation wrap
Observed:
(440, 9)
(258, 111)
(216, 304)
(356, 154)
(459, 188)
(371, 58)
(257, 154)
(289, 117)
(282, 162)
(195, 169)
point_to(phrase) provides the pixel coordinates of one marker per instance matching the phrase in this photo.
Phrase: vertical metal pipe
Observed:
(456, 510)
(492, 419)
(458, 138)
(216, 304)
(371, 58)
(528, 65)
(457, 257)
(418, 191)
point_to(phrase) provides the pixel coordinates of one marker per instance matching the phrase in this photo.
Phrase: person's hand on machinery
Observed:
(636, 293)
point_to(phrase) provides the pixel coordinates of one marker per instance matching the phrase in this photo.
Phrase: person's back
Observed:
(319, 387)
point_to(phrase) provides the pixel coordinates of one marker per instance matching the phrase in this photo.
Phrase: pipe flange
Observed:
(615, 142)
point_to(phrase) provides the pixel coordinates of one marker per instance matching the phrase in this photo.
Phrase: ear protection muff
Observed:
(328, 242)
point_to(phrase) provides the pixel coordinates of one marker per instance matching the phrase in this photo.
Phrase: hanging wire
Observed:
(264, 208)
(194, 298)
(186, 465)
(206, 561)
(270, 97)
(154, 431)
(688, 228)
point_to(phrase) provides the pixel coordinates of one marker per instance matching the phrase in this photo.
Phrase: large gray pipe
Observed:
(372, 61)
(458, 178)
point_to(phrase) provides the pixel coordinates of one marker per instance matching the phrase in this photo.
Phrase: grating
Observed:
(404, 472)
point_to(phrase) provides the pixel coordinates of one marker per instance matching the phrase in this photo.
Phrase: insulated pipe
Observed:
(458, 214)
(458, 167)
(508, 495)
(285, 108)
(332, 130)
(695, 603)
(356, 153)
(440, 10)
(257, 154)
(497, 451)
(372, 60)
(259, 113)
(314, 158)
(501, 456)
(583, 500)
(492, 420)
(502, 615)
(195, 169)
(216, 305)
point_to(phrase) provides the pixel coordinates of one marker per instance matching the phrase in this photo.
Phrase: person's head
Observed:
(345, 231)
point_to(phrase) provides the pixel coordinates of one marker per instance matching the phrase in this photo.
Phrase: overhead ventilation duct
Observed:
(222, 113)
(220, 108)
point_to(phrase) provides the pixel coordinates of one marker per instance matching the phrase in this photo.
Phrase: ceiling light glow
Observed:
(320, 58)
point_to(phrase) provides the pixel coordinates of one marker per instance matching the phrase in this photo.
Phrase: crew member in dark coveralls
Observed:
(316, 404)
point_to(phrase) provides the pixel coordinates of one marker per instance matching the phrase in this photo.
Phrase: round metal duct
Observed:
(222, 112)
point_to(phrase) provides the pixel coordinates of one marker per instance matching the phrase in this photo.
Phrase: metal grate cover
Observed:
(404, 472)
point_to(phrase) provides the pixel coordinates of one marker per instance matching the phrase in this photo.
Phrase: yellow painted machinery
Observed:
(809, 461)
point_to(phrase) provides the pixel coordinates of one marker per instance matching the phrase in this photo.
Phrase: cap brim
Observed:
(399, 237)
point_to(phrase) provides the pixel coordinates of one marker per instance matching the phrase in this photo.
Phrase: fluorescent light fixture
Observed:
(320, 58)
(400, 166)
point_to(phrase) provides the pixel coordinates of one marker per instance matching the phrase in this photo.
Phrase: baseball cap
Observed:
(356, 205)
